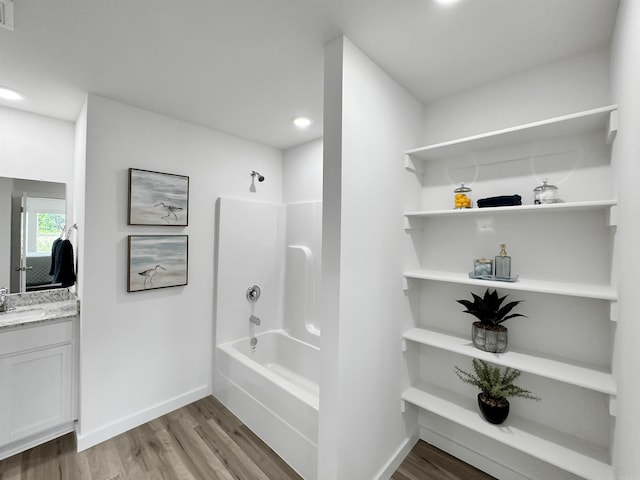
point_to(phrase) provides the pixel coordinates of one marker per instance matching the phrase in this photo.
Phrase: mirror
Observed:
(35, 212)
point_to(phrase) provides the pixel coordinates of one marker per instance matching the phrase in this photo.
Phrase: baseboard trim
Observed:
(87, 440)
(396, 459)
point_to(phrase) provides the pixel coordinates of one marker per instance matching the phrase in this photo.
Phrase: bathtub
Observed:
(273, 389)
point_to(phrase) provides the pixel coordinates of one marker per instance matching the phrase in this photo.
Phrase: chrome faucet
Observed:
(3, 299)
(255, 320)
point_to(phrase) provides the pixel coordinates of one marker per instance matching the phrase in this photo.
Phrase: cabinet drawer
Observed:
(38, 336)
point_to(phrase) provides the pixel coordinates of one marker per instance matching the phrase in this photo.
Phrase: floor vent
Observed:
(6, 14)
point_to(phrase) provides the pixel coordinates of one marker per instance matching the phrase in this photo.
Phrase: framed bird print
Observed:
(157, 261)
(157, 198)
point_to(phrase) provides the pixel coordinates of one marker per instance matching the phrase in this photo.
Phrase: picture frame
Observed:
(157, 198)
(157, 261)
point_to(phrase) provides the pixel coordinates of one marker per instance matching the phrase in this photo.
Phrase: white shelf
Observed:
(595, 119)
(556, 207)
(567, 452)
(581, 376)
(601, 292)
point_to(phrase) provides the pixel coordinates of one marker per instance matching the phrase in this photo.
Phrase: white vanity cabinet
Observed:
(37, 381)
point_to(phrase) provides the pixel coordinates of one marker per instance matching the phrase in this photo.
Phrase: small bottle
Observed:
(503, 263)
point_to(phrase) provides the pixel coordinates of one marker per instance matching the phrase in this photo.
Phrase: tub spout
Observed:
(255, 320)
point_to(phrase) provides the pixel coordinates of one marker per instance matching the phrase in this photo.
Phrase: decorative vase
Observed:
(493, 411)
(489, 339)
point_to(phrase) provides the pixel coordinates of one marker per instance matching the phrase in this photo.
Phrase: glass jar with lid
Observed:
(462, 198)
(545, 193)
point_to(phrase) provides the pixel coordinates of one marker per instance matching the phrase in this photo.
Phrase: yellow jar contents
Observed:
(462, 201)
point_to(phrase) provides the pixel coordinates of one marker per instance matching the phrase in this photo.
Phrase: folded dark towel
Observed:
(502, 201)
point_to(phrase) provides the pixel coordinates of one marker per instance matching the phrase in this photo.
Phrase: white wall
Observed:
(146, 353)
(369, 121)
(559, 88)
(302, 173)
(626, 151)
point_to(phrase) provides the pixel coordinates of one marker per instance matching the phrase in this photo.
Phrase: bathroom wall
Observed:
(6, 186)
(559, 88)
(626, 152)
(146, 353)
(369, 121)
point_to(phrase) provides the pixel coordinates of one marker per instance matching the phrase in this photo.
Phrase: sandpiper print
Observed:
(157, 198)
(157, 261)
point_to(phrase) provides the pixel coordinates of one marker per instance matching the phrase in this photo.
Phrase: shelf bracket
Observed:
(612, 217)
(613, 405)
(413, 166)
(406, 286)
(412, 223)
(613, 311)
(612, 127)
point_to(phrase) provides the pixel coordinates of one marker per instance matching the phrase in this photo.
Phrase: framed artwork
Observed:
(157, 261)
(157, 198)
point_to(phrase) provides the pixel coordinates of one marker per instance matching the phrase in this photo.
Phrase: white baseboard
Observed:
(34, 440)
(87, 440)
(397, 458)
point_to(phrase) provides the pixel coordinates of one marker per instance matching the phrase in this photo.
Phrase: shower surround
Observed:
(271, 385)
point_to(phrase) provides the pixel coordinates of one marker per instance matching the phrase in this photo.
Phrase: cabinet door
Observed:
(35, 392)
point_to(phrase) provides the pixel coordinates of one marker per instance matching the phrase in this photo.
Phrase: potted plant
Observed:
(488, 333)
(495, 387)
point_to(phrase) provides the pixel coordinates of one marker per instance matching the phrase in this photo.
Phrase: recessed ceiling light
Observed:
(447, 2)
(9, 94)
(301, 122)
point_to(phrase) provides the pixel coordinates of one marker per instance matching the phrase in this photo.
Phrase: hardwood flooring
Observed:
(426, 462)
(202, 441)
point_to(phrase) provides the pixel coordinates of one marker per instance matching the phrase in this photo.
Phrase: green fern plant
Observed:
(493, 383)
(489, 309)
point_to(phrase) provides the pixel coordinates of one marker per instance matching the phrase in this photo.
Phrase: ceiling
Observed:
(247, 67)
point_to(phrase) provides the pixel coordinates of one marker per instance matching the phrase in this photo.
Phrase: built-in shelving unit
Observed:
(596, 119)
(520, 209)
(547, 442)
(602, 292)
(567, 452)
(585, 376)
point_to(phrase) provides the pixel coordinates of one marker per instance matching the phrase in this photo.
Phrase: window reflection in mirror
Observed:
(25, 248)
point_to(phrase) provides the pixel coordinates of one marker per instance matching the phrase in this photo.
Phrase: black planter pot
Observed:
(492, 412)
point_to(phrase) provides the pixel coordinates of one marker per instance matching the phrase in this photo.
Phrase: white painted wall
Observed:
(626, 151)
(559, 88)
(369, 121)
(146, 353)
(302, 173)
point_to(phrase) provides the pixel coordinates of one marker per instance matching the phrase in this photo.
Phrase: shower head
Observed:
(256, 174)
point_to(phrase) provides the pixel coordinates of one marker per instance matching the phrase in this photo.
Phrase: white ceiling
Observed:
(247, 67)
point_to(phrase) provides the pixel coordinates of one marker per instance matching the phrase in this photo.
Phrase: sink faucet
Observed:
(3, 299)
(255, 320)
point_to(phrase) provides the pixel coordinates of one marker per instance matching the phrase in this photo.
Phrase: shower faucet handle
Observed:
(255, 320)
(253, 293)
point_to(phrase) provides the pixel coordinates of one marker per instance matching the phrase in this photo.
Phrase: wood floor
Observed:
(202, 441)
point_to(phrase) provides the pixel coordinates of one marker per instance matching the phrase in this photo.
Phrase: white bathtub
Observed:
(273, 389)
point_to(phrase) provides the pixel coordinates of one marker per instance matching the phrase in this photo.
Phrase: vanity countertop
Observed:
(38, 307)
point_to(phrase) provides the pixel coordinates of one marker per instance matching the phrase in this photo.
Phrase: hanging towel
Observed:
(54, 248)
(63, 272)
